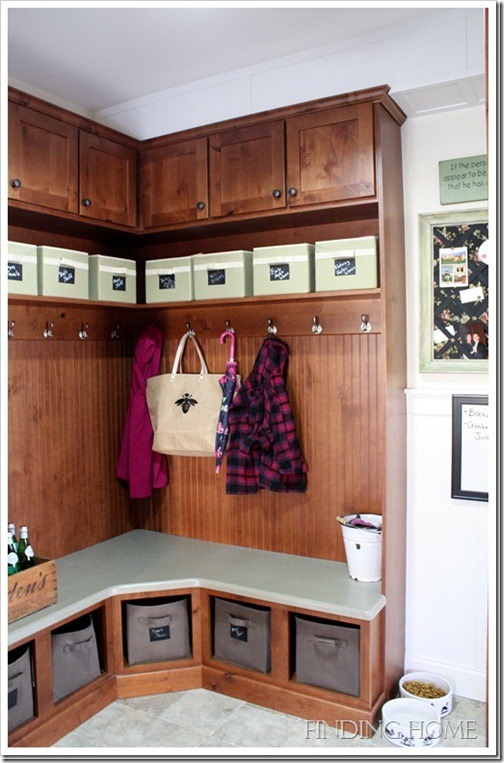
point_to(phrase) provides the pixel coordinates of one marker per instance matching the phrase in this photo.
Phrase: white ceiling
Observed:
(95, 58)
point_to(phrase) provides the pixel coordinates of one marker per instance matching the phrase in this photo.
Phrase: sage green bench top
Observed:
(145, 561)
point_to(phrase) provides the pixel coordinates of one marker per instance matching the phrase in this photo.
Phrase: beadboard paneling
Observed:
(67, 402)
(334, 389)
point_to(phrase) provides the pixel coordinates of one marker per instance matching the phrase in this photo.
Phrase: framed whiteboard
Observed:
(470, 440)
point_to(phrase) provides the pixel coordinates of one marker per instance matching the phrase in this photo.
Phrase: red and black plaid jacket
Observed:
(263, 449)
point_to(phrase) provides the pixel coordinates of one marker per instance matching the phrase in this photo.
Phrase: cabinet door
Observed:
(330, 155)
(107, 180)
(174, 183)
(247, 169)
(43, 157)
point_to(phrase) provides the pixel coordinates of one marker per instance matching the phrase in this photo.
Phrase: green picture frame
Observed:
(445, 311)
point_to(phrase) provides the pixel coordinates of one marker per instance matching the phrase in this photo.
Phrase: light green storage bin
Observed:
(112, 279)
(169, 280)
(222, 274)
(349, 263)
(283, 269)
(63, 273)
(22, 275)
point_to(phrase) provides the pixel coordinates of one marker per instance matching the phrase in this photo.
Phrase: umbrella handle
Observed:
(232, 335)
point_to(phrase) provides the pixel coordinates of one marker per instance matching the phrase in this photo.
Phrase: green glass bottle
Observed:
(25, 551)
(12, 557)
(12, 530)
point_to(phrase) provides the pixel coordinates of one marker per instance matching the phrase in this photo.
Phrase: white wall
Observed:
(447, 546)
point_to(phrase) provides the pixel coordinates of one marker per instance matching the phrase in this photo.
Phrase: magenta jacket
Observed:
(138, 464)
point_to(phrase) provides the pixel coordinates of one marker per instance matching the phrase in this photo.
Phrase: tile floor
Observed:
(199, 718)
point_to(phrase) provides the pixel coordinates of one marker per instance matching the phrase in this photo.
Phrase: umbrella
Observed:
(228, 384)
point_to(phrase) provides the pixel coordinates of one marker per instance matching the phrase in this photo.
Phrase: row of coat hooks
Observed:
(272, 329)
(82, 334)
(47, 332)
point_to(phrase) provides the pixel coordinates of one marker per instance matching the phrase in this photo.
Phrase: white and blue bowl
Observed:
(411, 723)
(442, 704)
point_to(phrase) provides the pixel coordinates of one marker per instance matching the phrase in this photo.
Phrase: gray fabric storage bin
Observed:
(20, 689)
(242, 634)
(327, 655)
(156, 632)
(74, 657)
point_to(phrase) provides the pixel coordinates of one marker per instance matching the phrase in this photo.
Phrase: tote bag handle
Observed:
(180, 351)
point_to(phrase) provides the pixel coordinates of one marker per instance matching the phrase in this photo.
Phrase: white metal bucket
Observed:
(363, 550)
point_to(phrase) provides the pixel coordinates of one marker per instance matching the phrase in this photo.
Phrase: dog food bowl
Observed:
(411, 723)
(442, 704)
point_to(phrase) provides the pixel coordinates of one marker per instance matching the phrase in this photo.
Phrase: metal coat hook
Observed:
(10, 332)
(229, 328)
(190, 331)
(115, 333)
(316, 327)
(272, 329)
(48, 329)
(83, 331)
(365, 325)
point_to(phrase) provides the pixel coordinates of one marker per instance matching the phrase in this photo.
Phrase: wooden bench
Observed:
(140, 565)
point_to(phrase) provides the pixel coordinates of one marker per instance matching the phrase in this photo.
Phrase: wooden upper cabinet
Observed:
(174, 183)
(247, 169)
(108, 176)
(330, 155)
(43, 159)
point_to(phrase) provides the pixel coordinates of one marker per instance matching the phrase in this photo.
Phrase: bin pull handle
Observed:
(324, 641)
(163, 620)
(15, 677)
(78, 645)
(240, 621)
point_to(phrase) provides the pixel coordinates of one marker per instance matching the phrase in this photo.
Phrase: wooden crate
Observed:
(32, 589)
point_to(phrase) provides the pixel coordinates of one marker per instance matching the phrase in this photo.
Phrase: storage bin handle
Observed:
(78, 645)
(241, 621)
(325, 641)
(15, 677)
(163, 620)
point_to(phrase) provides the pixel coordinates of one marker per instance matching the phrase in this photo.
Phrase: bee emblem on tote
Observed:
(186, 401)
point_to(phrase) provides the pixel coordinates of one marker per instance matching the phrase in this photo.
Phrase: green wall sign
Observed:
(463, 179)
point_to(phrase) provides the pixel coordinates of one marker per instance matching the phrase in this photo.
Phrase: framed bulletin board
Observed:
(454, 292)
(470, 441)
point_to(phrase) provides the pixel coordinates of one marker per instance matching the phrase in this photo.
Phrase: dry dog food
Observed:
(420, 689)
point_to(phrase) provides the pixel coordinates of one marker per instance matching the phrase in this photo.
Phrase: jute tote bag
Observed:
(184, 408)
(20, 691)
(74, 656)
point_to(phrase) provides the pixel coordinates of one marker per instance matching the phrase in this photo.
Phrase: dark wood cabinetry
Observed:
(107, 184)
(43, 157)
(247, 170)
(330, 155)
(58, 166)
(174, 183)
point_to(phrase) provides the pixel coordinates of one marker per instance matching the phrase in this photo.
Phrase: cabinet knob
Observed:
(292, 191)
(200, 205)
(86, 202)
(16, 183)
(277, 193)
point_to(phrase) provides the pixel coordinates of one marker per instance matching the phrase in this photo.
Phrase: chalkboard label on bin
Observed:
(216, 277)
(159, 634)
(118, 283)
(238, 632)
(12, 699)
(167, 281)
(15, 271)
(346, 267)
(66, 274)
(280, 272)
